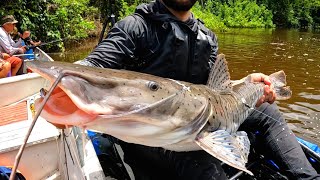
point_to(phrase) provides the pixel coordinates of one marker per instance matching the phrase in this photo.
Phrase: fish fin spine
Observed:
(228, 148)
(219, 76)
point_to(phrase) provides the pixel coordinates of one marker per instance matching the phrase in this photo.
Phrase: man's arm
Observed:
(8, 48)
(119, 45)
(17, 44)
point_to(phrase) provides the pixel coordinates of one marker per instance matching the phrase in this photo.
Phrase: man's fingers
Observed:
(269, 94)
(260, 77)
(265, 79)
(266, 90)
(23, 48)
(273, 98)
(260, 101)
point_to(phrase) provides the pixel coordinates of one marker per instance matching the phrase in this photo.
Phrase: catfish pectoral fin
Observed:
(225, 147)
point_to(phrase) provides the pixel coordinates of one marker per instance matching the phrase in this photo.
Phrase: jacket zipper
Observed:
(190, 56)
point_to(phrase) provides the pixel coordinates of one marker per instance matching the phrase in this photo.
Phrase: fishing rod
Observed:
(255, 109)
(109, 19)
(46, 43)
(50, 42)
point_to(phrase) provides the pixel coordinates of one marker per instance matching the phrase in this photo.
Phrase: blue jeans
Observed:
(278, 140)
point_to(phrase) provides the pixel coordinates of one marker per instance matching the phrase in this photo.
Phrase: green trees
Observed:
(234, 13)
(52, 19)
(76, 19)
(294, 13)
(220, 14)
(265, 13)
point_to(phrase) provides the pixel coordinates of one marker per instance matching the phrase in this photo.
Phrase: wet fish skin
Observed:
(153, 111)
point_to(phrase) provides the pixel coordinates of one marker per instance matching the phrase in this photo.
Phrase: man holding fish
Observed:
(164, 39)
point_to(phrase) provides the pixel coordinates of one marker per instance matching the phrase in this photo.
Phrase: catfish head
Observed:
(84, 93)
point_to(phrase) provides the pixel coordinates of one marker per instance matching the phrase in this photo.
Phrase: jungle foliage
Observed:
(221, 14)
(77, 19)
(50, 20)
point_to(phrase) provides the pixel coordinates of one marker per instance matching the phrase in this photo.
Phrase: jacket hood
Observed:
(158, 12)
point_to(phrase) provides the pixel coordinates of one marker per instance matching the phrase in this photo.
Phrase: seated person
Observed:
(7, 45)
(15, 62)
(28, 41)
(15, 34)
(5, 68)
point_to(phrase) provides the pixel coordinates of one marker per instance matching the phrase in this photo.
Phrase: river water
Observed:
(267, 51)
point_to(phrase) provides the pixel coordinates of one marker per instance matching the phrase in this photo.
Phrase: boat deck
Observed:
(51, 153)
(15, 113)
(42, 146)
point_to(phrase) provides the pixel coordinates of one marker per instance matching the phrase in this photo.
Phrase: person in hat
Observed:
(7, 45)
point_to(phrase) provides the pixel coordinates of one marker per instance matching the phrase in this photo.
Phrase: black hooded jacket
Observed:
(154, 41)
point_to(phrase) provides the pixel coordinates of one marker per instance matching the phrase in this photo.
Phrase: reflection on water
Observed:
(297, 53)
(75, 52)
(267, 51)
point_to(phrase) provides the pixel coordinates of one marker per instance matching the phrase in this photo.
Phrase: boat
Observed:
(50, 153)
(29, 82)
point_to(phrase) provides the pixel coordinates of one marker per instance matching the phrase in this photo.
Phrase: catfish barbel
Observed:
(159, 112)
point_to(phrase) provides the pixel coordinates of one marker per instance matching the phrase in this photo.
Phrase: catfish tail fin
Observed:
(279, 82)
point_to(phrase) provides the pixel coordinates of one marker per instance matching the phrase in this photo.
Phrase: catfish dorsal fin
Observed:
(219, 77)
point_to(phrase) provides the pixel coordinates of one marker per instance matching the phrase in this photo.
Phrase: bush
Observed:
(50, 20)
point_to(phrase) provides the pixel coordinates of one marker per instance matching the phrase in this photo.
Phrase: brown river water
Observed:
(267, 51)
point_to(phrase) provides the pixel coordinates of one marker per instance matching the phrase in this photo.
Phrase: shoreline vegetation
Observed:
(75, 20)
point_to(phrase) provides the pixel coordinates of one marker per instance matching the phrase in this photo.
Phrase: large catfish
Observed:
(158, 112)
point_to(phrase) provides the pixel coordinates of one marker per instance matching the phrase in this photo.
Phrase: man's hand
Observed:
(5, 56)
(269, 95)
(36, 43)
(1, 64)
(23, 49)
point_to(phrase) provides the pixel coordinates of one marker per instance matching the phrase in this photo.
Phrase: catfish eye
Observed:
(153, 86)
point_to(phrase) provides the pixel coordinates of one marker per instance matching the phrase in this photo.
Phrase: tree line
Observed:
(77, 19)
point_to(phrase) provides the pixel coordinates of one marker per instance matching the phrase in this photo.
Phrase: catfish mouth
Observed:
(59, 109)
